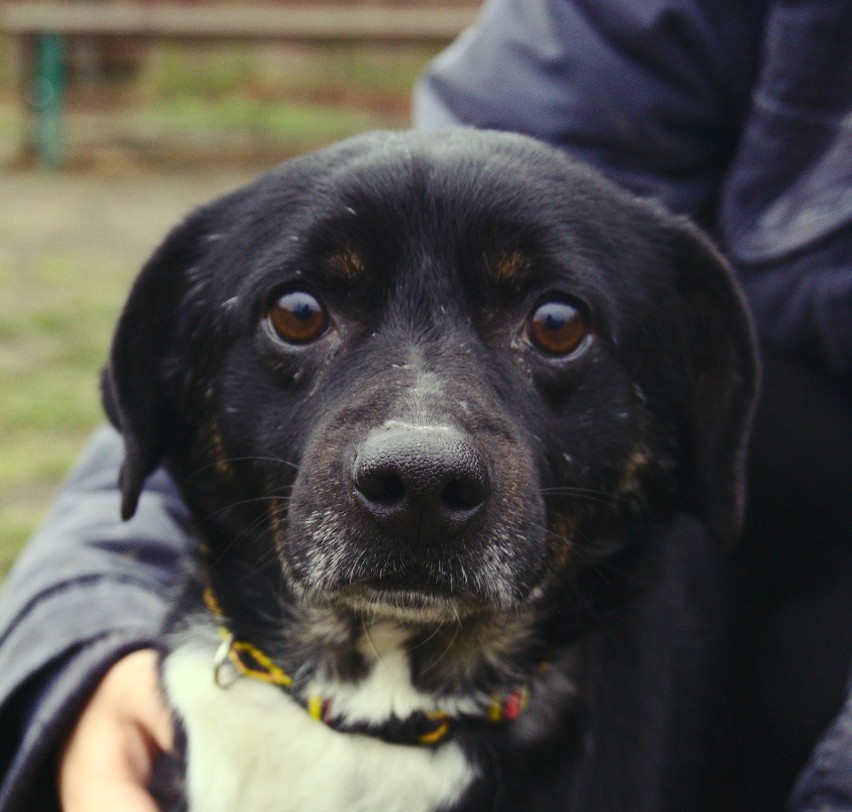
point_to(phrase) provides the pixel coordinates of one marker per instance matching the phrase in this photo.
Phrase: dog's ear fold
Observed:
(724, 365)
(136, 381)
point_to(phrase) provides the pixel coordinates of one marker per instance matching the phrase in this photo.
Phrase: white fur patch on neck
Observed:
(387, 690)
(252, 748)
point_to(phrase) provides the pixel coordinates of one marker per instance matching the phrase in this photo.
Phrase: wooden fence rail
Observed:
(43, 28)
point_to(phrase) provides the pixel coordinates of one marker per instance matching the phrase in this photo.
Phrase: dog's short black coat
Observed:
(453, 402)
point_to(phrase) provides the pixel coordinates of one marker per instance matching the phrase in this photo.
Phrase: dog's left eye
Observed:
(298, 317)
(557, 327)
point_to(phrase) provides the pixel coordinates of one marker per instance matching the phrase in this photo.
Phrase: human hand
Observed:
(107, 760)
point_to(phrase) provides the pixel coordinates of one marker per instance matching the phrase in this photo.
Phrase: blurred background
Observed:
(108, 137)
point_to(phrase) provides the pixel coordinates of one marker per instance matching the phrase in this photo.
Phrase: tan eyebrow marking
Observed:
(346, 263)
(513, 267)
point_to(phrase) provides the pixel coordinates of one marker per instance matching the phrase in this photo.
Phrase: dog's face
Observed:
(436, 375)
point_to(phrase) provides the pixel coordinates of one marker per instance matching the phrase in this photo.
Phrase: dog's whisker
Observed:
(368, 637)
(250, 530)
(457, 627)
(212, 515)
(420, 644)
(591, 495)
(571, 490)
(203, 469)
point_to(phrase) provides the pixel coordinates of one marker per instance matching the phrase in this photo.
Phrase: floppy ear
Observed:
(724, 363)
(136, 379)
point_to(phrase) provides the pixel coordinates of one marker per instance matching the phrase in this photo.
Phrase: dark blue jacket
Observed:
(735, 112)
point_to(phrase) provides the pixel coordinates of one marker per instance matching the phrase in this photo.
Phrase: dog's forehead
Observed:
(435, 187)
(451, 179)
(498, 212)
(412, 175)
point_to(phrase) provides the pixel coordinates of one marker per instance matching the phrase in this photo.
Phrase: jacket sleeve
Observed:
(88, 589)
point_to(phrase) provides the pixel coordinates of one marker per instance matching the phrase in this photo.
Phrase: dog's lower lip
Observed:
(400, 591)
(406, 605)
(412, 590)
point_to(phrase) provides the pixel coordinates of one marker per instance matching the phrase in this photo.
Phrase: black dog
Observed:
(463, 428)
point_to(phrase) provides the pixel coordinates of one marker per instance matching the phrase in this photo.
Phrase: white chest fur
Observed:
(252, 748)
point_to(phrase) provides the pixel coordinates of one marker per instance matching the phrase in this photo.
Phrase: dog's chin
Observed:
(394, 603)
(407, 606)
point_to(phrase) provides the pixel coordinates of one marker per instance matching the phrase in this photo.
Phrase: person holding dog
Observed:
(737, 114)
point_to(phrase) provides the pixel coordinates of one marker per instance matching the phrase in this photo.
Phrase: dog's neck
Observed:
(389, 700)
(398, 680)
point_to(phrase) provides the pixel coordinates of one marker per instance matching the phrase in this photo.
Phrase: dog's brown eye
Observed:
(557, 327)
(298, 317)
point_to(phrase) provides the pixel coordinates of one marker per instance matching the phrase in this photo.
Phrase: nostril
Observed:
(464, 494)
(381, 488)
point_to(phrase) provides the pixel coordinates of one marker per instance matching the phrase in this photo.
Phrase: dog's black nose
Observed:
(423, 484)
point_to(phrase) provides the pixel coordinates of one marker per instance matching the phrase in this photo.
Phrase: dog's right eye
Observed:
(298, 317)
(557, 327)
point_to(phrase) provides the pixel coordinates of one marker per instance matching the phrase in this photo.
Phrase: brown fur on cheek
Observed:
(562, 523)
(635, 464)
(212, 439)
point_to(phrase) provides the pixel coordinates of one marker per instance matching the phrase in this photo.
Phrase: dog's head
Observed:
(435, 373)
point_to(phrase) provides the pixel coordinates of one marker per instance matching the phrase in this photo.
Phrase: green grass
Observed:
(188, 116)
(55, 321)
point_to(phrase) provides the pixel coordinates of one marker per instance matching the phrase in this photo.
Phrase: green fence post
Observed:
(48, 99)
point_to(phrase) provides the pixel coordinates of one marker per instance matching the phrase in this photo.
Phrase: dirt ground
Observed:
(118, 217)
